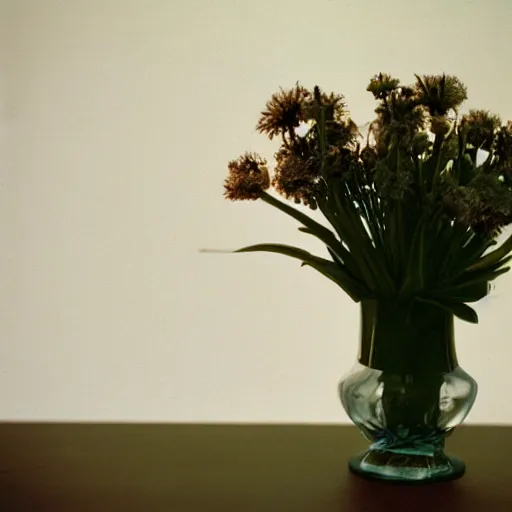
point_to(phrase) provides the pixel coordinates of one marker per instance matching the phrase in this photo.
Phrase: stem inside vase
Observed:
(412, 344)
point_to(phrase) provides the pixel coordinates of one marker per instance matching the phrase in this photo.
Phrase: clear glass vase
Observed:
(407, 392)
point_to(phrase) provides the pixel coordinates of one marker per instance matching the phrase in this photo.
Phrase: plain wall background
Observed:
(117, 120)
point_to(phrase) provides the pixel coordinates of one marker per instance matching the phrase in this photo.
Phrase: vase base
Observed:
(406, 469)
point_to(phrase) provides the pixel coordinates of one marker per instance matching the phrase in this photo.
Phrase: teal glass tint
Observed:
(406, 421)
(407, 392)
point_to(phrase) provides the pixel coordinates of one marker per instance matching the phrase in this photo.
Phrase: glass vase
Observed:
(407, 392)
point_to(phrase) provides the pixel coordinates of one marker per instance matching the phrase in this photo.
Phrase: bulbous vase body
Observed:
(407, 392)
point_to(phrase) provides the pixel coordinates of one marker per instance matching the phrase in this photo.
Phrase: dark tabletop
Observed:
(126, 467)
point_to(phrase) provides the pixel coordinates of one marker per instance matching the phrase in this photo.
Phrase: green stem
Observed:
(411, 402)
(413, 346)
(406, 337)
(436, 158)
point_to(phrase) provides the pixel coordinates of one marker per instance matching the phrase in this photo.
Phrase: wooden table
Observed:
(181, 468)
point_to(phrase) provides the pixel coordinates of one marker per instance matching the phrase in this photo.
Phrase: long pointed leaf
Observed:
(459, 309)
(467, 292)
(327, 268)
(324, 234)
(415, 274)
(342, 255)
(474, 288)
(453, 239)
(359, 241)
(473, 250)
(334, 275)
(304, 219)
(490, 272)
(493, 257)
(333, 211)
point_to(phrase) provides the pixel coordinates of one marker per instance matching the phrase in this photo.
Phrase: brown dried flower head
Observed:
(296, 178)
(332, 104)
(440, 94)
(284, 111)
(484, 204)
(480, 127)
(248, 178)
(382, 85)
(503, 144)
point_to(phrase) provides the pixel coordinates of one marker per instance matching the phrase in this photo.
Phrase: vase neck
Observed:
(405, 338)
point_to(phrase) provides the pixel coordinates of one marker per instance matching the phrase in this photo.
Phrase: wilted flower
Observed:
(368, 157)
(503, 145)
(495, 203)
(248, 178)
(460, 203)
(412, 214)
(295, 177)
(440, 94)
(332, 104)
(382, 85)
(480, 127)
(342, 133)
(485, 204)
(284, 111)
(391, 181)
(399, 118)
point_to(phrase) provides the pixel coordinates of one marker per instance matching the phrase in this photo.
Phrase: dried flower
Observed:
(248, 178)
(485, 204)
(383, 202)
(495, 203)
(503, 145)
(393, 182)
(440, 94)
(460, 204)
(295, 177)
(382, 85)
(399, 118)
(343, 163)
(333, 106)
(342, 133)
(480, 127)
(368, 157)
(284, 111)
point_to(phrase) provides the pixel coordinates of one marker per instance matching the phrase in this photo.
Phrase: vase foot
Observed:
(406, 468)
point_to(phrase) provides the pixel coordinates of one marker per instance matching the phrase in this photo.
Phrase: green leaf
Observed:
(340, 255)
(491, 271)
(459, 309)
(339, 218)
(468, 286)
(321, 232)
(318, 229)
(471, 291)
(493, 257)
(343, 281)
(324, 234)
(453, 241)
(415, 274)
(472, 251)
(327, 268)
(465, 169)
(352, 230)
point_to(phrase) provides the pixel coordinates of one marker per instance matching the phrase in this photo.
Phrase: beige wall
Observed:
(117, 120)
